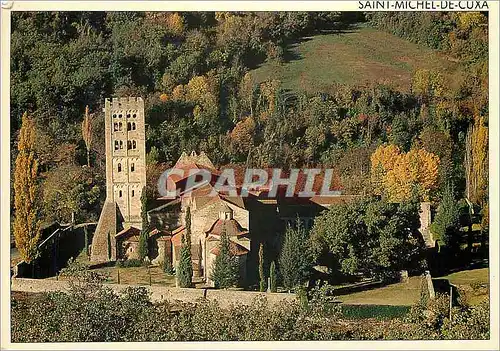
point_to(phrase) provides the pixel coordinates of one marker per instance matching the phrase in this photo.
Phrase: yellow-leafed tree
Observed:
(399, 175)
(383, 160)
(87, 133)
(26, 193)
(476, 162)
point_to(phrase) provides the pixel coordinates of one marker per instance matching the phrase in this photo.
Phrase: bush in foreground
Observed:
(102, 316)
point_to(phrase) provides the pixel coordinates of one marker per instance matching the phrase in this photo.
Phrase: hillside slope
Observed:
(358, 57)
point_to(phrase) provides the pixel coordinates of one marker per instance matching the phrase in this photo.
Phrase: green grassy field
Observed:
(473, 276)
(359, 57)
(474, 284)
(402, 294)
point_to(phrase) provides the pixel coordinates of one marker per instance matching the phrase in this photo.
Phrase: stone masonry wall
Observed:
(106, 224)
(425, 222)
(160, 293)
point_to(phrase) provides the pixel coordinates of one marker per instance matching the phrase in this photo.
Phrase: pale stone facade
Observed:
(125, 176)
(247, 221)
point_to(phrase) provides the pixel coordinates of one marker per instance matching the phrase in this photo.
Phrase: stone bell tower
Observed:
(125, 173)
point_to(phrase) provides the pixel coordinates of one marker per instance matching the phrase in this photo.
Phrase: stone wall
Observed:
(125, 156)
(160, 293)
(425, 222)
(106, 224)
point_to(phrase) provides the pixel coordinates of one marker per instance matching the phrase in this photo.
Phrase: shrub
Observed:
(321, 300)
(382, 312)
(104, 315)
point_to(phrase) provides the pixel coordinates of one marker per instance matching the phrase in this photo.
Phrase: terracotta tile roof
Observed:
(234, 248)
(177, 235)
(130, 231)
(162, 234)
(230, 226)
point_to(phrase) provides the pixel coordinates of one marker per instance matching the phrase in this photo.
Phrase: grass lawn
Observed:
(358, 57)
(468, 280)
(468, 277)
(403, 294)
(137, 276)
(131, 275)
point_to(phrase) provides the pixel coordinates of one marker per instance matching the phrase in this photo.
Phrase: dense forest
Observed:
(194, 71)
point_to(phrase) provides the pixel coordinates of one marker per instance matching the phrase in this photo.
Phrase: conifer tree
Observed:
(185, 268)
(109, 246)
(26, 193)
(167, 264)
(225, 272)
(87, 132)
(273, 277)
(86, 240)
(188, 226)
(446, 223)
(143, 238)
(293, 260)
(262, 275)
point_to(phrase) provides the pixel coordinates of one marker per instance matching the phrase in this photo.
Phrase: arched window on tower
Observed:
(129, 126)
(133, 193)
(116, 145)
(115, 127)
(121, 144)
(134, 144)
(120, 125)
(133, 125)
(132, 167)
(119, 167)
(129, 145)
(120, 193)
(134, 115)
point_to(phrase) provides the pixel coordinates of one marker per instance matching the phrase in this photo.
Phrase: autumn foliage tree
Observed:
(242, 136)
(26, 193)
(87, 132)
(476, 162)
(398, 175)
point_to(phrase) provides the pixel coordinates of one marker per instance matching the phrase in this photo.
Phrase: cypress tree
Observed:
(87, 133)
(26, 193)
(262, 275)
(86, 240)
(225, 272)
(167, 265)
(109, 246)
(188, 226)
(274, 280)
(185, 268)
(143, 238)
